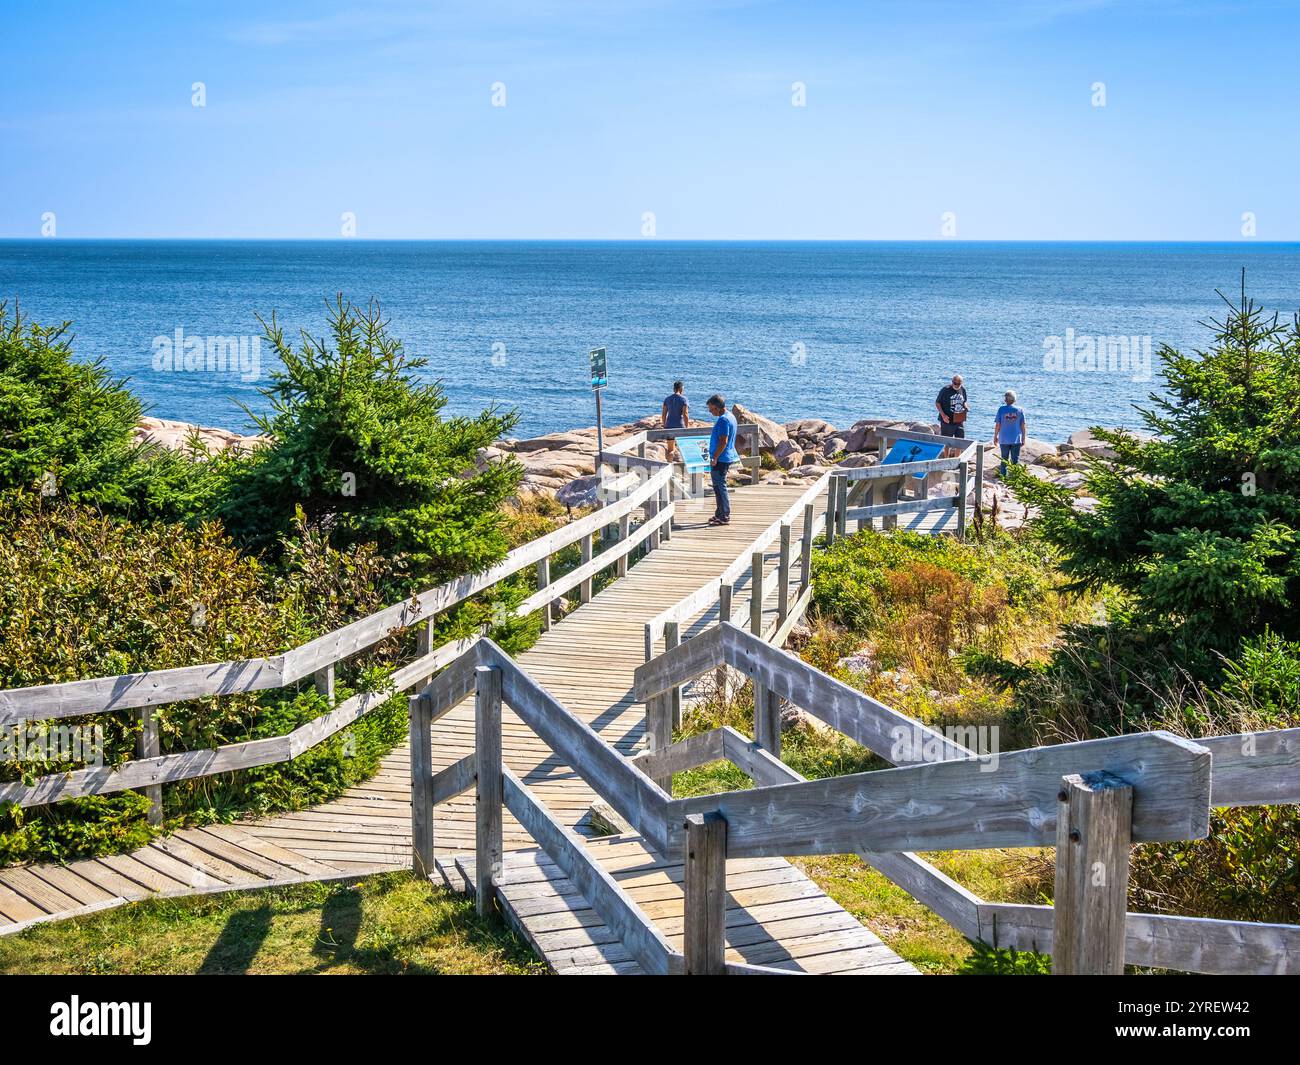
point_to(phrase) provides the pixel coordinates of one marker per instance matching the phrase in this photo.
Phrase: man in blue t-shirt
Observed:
(1009, 431)
(676, 415)
(722, 453)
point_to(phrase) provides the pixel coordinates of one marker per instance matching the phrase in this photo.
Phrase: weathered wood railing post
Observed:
(672, 638)
(421, 720)
(805, 548)
(665, 498)
(979, 480)
(754, 452)
(544, 579)
(651, 512)
(756, 594)
(783, 577)
(705, 943)
(659, 732)
(767, 718)
(323, 681)
(487, 793)
(962, 489)
(585, 546)
(150, 746)
(725, 592)
(889, 494)
(624, 529)
(842, 508)
(832, 497)
(1094, 823)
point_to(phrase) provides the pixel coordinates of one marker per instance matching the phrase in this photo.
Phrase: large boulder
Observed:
(580, 492)
(834, 444)
(857, 461)
(769, 432)
(554, 442)
(1084, 440)
(1034, 450)
(810, 430)
(788, 455)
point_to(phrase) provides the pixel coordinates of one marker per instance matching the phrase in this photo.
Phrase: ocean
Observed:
(839, 331)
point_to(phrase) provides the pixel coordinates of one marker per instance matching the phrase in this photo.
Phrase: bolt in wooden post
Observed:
(1094, 824)
(672, 638)
(544, 579)
(421, 719)
(756, 594)
(706, 894)
(487, 794)
(783, 577)
(962, 488)
(150, 746)
(323, 680)
(805, 548)
(584, 589)
(725, 593)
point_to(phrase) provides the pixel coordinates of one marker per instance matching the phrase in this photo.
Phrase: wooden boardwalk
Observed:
(586, 661)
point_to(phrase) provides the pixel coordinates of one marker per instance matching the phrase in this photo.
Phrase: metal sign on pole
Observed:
(599, 379)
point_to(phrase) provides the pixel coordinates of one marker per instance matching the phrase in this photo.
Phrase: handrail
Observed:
(109, 694)
(1268, 774)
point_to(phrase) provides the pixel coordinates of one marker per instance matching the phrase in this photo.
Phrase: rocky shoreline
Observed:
(562, 464)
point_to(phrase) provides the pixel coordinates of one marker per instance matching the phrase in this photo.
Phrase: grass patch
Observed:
(388, 924)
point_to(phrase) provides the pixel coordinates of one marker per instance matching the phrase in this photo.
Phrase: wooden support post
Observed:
(832, 497)
(889, 494)
(150, 746)
(665, 498)
(842, 508)
(423, 645)
(421, 714)
(783, 577)
(584, 589)
(672, 638)
(323, 680)
(753, 450)
(979, 481)
(962, 489)
(1094, 823)
(651, 512)
(756, 594)
(487, 794)
(725, 593)
(805, 549)
(624, 528)
(767, 718)
(706, 894)
(543, 579)
(659, 731)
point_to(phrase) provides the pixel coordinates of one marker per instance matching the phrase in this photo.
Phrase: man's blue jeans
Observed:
(718, 475)
(1010, 452)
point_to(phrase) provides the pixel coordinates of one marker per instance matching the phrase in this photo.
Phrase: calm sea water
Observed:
(834, 330)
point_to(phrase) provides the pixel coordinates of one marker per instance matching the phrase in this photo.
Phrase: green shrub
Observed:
(360, 446)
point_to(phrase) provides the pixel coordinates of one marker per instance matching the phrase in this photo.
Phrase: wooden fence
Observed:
(318, 660)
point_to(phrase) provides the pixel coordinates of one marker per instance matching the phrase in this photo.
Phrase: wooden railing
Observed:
(318, 659)
(1090, 800)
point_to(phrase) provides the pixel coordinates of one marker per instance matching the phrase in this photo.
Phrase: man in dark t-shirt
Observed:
(953, 407)
(676, 415)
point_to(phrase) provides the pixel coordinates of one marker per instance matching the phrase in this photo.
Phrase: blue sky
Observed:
(677, 107)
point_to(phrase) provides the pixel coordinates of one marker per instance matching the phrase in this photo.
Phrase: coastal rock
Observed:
(1035, 450)
(858, 461)
(580, 492)
(176, 436)
(834, 444)
(1085, 441)
(769, 432)
(788, 455)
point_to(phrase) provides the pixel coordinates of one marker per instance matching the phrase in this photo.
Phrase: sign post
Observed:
(599, 379)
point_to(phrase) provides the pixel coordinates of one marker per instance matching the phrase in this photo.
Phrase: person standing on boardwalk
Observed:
(676, 415)
(722, 453)
(1009, 431)
(953, 407)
